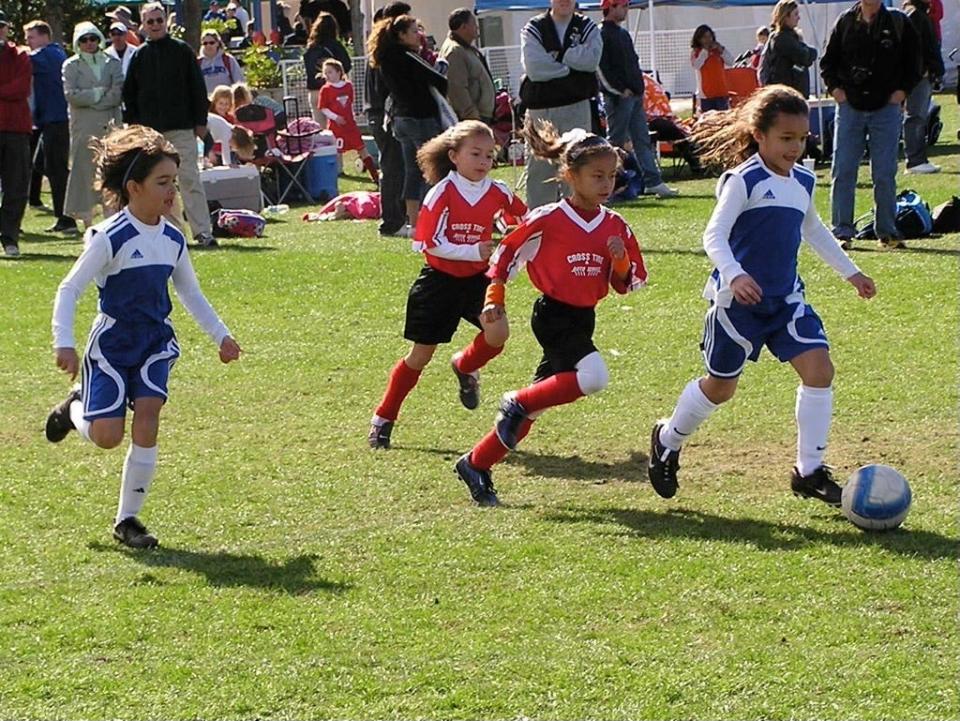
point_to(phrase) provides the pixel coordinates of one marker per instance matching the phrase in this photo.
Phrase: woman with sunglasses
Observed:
(92, 83)
(217, 66)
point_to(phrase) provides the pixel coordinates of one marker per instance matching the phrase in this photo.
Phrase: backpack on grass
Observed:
(913, 219)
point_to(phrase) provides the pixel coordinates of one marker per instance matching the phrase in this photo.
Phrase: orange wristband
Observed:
(495, 294)
(621, 265)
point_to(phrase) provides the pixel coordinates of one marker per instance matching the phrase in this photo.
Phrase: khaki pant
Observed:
(191, 189)
(541, 188)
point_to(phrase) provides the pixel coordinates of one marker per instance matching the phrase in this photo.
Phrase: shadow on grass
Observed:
(230, 247)
(294, 576)
(872, 247)
(764, 535)
(576, 468)
(54, 257)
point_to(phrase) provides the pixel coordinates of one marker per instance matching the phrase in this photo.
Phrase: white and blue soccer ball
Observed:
(876, 498)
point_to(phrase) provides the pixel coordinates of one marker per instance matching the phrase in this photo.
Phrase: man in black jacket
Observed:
(164, 90)
(918, 101)
(870, 66)
(393, 213)
(622, 84)
(560, 52)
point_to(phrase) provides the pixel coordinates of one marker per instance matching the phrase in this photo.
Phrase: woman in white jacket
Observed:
(92, 82)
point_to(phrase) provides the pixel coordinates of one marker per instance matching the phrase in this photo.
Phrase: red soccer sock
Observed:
(371, 169)
(490, 451)
(476, 355)
(553, 391)
(402, 380)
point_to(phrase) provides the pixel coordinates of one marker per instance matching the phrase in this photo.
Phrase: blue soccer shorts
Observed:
(734, 335)
(117, 368)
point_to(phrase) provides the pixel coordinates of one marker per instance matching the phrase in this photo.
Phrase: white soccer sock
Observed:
(693, 408)
(814, 412)
(138, 472)
(76, 417)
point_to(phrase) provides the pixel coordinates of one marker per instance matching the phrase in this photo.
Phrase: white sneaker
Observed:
(11, 250)
(661, 191)
(927, 168)
(404, 232)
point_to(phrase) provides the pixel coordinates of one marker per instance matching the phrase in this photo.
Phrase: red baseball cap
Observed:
(607, 4)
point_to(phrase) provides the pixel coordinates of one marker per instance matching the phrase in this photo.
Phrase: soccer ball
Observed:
(876, 498)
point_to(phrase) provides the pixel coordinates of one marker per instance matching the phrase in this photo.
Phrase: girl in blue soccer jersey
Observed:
(132, 347)
(764, 208)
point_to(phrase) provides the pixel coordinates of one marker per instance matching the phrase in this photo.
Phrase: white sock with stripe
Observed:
(814, 411)
(76, 417)
(693, 408)
(138, 472)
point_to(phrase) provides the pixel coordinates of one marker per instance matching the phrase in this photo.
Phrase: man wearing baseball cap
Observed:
(123, 15)
(16, 125)
(622, 84)
(119, 48)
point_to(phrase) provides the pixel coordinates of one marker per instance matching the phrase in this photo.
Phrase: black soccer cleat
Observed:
(130, 532)
(663, 465)
(479, 482)
(469, 387)
(819, 485)
(58, 422)
(511, 415)
(379, 436)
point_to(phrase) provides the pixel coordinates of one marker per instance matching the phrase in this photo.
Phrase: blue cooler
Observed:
(321, 174)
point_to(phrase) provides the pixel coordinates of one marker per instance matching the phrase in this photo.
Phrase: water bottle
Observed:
(276, 209)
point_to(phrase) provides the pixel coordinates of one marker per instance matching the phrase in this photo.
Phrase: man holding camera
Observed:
(870, 66)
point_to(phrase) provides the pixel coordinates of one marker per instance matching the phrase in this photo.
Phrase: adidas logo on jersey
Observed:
(769, 195)
(137, 254)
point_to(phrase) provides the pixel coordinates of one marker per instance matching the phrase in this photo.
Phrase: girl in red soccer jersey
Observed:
(454, 231)
(336, 103)
(574, 251)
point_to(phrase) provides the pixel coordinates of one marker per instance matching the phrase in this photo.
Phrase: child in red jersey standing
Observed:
(574, 251)
(336, 103)
(454, 232)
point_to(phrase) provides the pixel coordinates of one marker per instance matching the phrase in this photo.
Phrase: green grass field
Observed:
(302, 575)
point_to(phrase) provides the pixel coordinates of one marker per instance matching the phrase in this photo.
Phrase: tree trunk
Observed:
(53, 14)
(359, 33)
(192, 17)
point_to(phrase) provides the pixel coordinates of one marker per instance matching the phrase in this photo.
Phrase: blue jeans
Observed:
(411, 133)
(850, 135)
(627, 120)
(915, 123)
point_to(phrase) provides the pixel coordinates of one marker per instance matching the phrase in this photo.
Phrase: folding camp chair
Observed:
(269, 157)
(741, 84)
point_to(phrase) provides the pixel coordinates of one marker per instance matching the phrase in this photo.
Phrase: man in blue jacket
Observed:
(622, 84)
(50, 116)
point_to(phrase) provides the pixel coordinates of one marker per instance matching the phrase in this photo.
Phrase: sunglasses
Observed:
(154, 21)
(210, 42)
(89, 39)
(117, 32)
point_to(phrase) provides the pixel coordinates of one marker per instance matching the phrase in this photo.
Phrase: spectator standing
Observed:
(119, 50)
(214, 12)
(392, 208)
(217, 66)
(470, 86)
(92, 83)
(870, 66)
(787, 59)
(323, 44)
(415, 116)
(15, 129)
(235, 29)
(936, 15)
(709, 58)
(164, 90)
(123, 15)
(560, 53)
(50, 116)
(622, 85)
(243, 17)
(917, 107)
